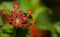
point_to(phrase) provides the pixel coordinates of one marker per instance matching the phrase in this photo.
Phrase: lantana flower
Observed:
(18, 19)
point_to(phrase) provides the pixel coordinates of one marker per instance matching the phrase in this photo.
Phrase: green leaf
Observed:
(5, 35)
(57, 26)
(8, 28)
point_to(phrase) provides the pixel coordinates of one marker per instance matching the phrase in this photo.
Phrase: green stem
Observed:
(14, 33)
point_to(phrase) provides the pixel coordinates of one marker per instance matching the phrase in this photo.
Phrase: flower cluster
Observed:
(18, 19)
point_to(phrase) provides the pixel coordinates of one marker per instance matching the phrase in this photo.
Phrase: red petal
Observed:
(12, 17)
(32, 22)
(25, 18)
(17, 15)
(30, 12)
(21, 12)
(15, 5)
(21, 25)
(9, 19)
(12, 13)
(26, 25)
(15, 24)
(22, 21)
(4, 12)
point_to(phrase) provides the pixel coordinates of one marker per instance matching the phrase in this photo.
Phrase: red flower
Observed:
(32, 22)
(30, 11)
(20, 12)
(17, 15)
(9, 19)
(18, 19)
(12, 13)
(4, 12)
(15, 6)
(25, 18)
(12, 17)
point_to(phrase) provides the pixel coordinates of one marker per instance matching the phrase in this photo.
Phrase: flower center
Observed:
(17, 20)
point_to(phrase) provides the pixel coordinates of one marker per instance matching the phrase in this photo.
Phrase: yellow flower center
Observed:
(17, 21)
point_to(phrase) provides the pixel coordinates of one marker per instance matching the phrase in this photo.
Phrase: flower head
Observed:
(4, 12)
(15, 6)
(32, 22)
(30, 11)
(18, 19)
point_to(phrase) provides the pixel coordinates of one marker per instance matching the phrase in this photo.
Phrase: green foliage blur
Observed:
(41, 15)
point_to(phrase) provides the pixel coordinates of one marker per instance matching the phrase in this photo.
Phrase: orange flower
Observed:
(36, 32)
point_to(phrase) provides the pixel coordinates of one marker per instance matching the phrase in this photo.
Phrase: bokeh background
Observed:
(46, 14)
